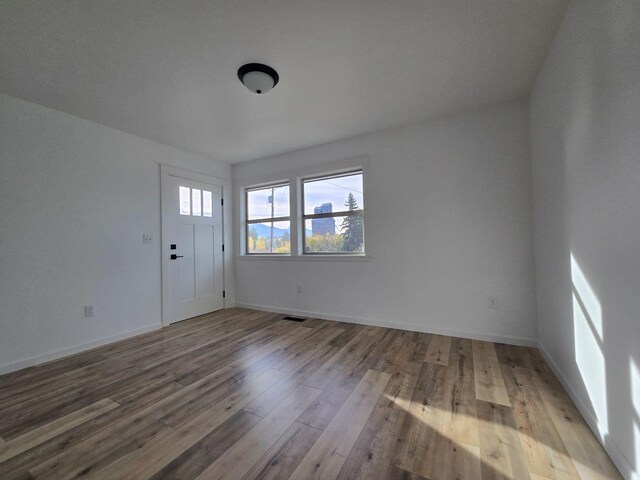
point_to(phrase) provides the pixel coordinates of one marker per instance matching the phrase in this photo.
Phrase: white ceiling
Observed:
(166, 70)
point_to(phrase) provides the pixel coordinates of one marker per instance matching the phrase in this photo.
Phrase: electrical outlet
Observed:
(299, 288)
(493, 303)
(147, 238)
(88, 311)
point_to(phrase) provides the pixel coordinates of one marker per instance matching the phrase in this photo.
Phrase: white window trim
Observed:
(294, 178)
(308, 258)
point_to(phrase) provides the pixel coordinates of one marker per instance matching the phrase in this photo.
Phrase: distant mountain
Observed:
(265, 230)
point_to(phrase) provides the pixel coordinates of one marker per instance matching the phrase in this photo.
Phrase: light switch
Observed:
(493, 303)
(147, 238)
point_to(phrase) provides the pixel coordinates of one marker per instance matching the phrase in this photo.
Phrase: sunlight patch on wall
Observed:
(635, 396)
(587, 330)
(587, 295)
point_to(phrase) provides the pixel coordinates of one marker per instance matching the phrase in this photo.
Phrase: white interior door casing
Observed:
(192, 248)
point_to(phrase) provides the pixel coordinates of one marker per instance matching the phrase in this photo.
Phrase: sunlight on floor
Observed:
(587, 328)
(438, 418)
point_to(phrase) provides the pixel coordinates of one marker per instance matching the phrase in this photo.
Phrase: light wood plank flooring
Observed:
(243, 394)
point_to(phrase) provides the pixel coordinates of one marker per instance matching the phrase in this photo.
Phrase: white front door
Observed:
(192, 249)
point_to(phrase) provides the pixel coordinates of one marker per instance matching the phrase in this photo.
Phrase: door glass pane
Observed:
(197, 205)
(207, 204)
(185, 201)
(270, 237)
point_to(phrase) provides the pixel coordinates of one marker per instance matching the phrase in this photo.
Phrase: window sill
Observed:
(308, 258)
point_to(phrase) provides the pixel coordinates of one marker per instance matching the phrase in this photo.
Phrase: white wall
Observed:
(586, 171)
(448, 223)
(76, 198)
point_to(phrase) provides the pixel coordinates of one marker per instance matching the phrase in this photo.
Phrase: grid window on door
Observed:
(268, 220)
(195, 202)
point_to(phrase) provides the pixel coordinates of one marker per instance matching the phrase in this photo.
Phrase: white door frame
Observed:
(167, 171)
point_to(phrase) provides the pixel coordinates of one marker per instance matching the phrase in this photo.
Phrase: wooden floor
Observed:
(243, 394)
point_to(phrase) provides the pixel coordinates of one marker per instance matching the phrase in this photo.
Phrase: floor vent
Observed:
(294, 319)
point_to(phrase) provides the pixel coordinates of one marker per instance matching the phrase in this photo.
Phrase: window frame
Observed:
(248, 222)
(345, 213)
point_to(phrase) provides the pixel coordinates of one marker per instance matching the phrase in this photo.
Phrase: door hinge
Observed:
(224, 294)
(222, 201)
(223, 247)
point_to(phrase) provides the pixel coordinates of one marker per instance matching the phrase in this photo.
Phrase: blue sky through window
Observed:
(334, 191)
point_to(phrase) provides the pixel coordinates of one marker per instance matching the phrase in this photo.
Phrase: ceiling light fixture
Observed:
(257, 77)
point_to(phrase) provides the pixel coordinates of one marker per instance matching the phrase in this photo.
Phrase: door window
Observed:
(195, 202)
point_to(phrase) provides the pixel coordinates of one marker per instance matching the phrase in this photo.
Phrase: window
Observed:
(185, 200)
(328, 211)
(268, 221)
(195, 202)
(207, 204)
(333, 214)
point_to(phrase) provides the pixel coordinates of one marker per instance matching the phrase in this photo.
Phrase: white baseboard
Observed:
(48, 357)
(525, 342)
(609, 444)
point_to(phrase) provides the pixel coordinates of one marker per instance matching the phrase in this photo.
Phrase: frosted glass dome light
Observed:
(257, 77)
(258, 82)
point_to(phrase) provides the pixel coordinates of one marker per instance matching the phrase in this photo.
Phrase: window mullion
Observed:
(346, 213)
(268, 220)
